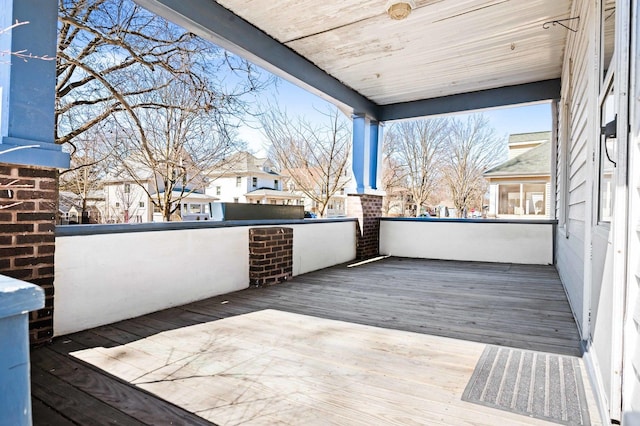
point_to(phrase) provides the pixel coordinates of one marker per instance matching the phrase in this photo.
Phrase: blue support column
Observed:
(17, 298)
(358, 151)
(375, 154)
(28, 87)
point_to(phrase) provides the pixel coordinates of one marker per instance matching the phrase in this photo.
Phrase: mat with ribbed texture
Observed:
(535, 384)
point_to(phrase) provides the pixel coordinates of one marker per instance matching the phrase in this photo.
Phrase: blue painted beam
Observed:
(212, 21)
(17, 298)
(358, 152)
(375, 157)
(502, 96)
(28, 86)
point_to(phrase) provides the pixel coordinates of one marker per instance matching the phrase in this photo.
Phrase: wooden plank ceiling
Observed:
(444, 47)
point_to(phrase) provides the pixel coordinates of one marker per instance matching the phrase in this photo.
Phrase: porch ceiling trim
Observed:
(502, 96)
(219, 25)
(213, 22)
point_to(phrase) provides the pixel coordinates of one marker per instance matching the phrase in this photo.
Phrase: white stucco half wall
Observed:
(480, 241)
(321, 245)
(100, 279)
(105, 278)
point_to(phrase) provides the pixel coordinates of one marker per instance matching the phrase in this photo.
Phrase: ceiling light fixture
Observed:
(399, 9)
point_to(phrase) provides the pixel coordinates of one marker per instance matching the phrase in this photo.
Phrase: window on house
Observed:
(522, 199)
(275, 184)
(254, 182)
(141, 204)
(235, 200)
(218, 190)
(117, 204)
(238, 181)
(127, 188)
(607, 156)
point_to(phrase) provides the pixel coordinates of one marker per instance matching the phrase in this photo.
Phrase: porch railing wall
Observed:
(529, 242)
(107, 273)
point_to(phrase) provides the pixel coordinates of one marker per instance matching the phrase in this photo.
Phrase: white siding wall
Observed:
(573, 169)
(228, 189)
(631, 379)
(114, 194)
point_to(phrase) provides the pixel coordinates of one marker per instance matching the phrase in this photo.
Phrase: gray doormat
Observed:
(534, 384)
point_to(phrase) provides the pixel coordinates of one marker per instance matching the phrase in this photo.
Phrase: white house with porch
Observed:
(245, 178)
(582, 56)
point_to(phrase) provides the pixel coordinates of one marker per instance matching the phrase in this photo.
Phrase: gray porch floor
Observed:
(448, 310)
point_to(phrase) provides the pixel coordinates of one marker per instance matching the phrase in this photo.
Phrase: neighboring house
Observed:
(70, 208)
(245, 178)
(129, 200)
(521, 186)
(304, 184)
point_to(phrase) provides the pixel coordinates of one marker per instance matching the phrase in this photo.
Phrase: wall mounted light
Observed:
(399, 9)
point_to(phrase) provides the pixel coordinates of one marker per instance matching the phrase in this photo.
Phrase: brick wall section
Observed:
(368, 210)
(270, 255)
(27, 236)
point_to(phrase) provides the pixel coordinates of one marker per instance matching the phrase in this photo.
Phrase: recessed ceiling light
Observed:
(399, 9)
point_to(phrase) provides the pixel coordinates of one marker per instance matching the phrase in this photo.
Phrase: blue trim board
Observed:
(502, 96)
(122, 228)
(17, 297)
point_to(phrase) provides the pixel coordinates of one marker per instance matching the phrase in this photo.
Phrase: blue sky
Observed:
(296, 101)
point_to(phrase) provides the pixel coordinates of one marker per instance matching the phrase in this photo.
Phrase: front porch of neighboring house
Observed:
(382, 352)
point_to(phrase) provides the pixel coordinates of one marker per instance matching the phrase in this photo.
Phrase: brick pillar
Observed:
(270, 255)
(367, 209)
(27, 235)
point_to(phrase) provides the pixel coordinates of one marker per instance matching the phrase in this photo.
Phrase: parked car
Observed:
(309, 215)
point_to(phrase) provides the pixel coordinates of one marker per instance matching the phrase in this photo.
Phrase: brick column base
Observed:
(368, 210)
(270, 255)
(28, 210)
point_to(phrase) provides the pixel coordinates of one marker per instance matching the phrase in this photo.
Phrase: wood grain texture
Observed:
(468, 304)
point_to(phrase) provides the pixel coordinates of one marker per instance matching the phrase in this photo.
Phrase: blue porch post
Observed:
(27, 87)
(17, 298)
(358, 152)
(366, 153)
(365, 203)
(375, 155)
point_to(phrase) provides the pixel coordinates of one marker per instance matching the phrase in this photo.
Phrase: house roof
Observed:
(194, 196)
(272, 193)
(535, 162)
(517, 138)
(242, 163)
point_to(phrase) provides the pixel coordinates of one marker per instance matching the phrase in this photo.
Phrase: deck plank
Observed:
(98, 398)
(521, 306)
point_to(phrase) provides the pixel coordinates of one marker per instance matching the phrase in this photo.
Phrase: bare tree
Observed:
(172, 144)
(315, 156)
(169, 95)
(109, 49)
(88, 167)
(472, 148)
(418, 147)
(394, 182)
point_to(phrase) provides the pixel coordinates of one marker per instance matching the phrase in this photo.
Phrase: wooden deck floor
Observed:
(474, 303)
